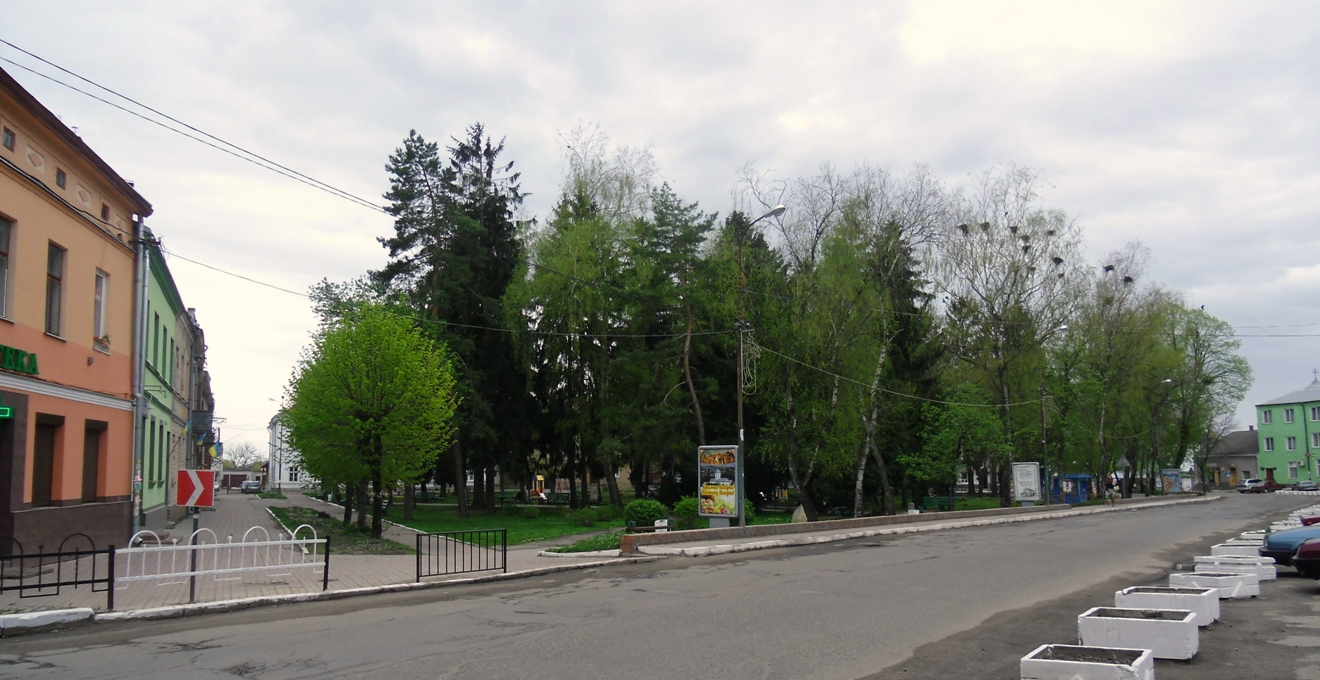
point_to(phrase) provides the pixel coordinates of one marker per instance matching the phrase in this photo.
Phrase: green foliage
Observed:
(749, 510)
(966, 430)
(585, 517)
(643, 512)
(606, 513)
(371, 402)
(530, 512)
(608, 541)
(687, 513)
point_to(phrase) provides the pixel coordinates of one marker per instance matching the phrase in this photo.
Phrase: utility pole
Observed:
(742, 330)
(1044, 449)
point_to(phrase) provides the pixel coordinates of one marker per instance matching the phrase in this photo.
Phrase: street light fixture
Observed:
(742, 330)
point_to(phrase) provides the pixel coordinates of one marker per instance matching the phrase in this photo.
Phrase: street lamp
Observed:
(742, 330)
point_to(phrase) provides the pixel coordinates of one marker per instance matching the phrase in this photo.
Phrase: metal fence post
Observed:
(192, 563)
(419, 558)
(325, 572)
(110, 591)
(504, 549)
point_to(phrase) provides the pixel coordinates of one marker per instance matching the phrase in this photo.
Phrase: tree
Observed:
(371, 401)
(963, 429)
(243, 455)
(453, 254)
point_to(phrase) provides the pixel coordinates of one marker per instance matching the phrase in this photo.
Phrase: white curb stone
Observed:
(590, 553)
(1167, 633)
(1204, 602)
(15, 624)
(1070, 662)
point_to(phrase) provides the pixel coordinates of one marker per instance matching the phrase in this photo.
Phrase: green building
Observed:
(177, 404)
(1289, 435)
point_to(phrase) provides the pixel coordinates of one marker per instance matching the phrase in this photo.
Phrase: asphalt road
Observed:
(870, 607)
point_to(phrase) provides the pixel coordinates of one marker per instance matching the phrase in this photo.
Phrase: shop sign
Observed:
(717, 471)
(18, 360)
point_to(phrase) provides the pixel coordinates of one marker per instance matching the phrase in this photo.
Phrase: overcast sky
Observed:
(1189, 126)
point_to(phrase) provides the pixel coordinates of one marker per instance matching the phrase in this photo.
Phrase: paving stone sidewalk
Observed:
(234, 516)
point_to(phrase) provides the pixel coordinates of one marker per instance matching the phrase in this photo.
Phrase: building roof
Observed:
(71, 138)
(1311, 393)
(1240, 443)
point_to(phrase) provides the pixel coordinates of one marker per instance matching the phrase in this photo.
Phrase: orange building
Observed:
(67, 296)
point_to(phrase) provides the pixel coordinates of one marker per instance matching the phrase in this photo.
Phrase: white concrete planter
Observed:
(1204, 602)
(1231, 549)
(1262, 567)
(1069, 662)
(1167, 633)
(1234, 586)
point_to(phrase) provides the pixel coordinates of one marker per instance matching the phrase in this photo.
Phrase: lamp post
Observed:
(742, 329)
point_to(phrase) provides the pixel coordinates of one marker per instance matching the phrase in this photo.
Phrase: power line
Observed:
(251, 156)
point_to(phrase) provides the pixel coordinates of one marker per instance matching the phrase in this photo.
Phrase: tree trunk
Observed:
(572, 485)
(460, 480)
(616, 498)
(687, 377)
(362, 505)
(885, 488)
(800, 480)
(409, 500)
(348, 505)
(491, 473)
(377, 503)
(870, 425)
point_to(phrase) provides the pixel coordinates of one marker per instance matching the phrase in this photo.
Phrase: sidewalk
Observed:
(235, 515)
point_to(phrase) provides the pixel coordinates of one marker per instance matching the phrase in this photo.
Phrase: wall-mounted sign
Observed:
(1026, 482)
(18, 360)
(717, 472)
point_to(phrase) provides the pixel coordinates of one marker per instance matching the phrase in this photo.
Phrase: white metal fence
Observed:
(149, 559)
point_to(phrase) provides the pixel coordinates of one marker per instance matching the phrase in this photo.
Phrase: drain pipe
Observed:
(141, 272)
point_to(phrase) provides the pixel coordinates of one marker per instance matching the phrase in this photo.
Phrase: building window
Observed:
(1315, 414)
(155, 341)
(105, 213)
(151, 454)
(1292, 470)
(5, 227)
(1287, 415)
(54, 288)
(1269, 443)
(9, 139)
(1291, 443)
(91, 471)
(98, 310)
(1315, 440)
(1266, 416)
(60, 178)
(293, 475)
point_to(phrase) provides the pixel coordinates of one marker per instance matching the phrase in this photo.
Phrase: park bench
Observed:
(429, 496)
(937, 503)
(555, 498)
(661, 525)
(505, 496)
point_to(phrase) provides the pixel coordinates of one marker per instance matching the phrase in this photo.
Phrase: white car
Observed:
(1247, 485)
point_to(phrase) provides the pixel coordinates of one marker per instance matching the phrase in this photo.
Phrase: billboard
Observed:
(1026, 482)
(717, 475)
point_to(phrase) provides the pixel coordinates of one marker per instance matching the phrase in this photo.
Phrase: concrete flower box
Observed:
(1262, 567)
(1234, 586)
(1204, 602)
(1167, 633)
(1070, 662)
(1236, 549)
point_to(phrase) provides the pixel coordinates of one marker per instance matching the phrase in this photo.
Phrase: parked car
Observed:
(1306, 485)
(1307, 559)
(1248, 484)
(250, 486)
(1267, 486)
(1282, 544)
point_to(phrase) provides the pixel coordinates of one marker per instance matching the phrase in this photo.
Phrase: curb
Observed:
(726, 548)
(34, 622)
(177, 611)
(590, 553)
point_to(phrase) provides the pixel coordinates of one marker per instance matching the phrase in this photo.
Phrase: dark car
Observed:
(250, 486)
(1307, 559)
(1267, 486)
(1282, 544)
(1305, 485)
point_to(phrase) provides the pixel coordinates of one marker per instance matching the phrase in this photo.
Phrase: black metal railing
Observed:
(461, 552)
(43, 574)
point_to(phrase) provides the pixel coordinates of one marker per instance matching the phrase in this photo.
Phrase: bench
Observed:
(661, 525)
(555, 498)
(428, 497)
(937, 503)
(503, 496)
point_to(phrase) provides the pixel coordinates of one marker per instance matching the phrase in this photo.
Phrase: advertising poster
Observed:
(1026, 482)
(717, 472)
(1169, 481)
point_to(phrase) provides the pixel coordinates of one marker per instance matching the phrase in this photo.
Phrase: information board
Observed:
(1026, 482)
(717, 472)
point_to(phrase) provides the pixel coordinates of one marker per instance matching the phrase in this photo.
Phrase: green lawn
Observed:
(549, 524)
(343, 541)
